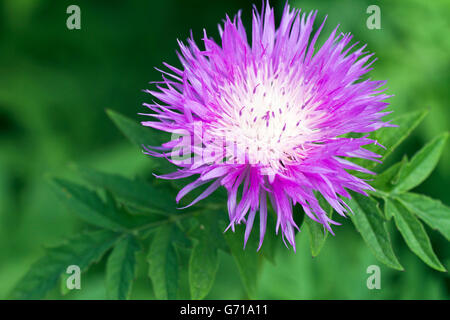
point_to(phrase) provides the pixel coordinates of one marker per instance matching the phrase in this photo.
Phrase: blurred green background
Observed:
(55, 84)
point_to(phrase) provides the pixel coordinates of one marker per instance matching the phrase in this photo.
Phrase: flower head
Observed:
(265, 118)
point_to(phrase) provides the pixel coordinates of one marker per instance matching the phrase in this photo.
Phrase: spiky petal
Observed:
(271, 115)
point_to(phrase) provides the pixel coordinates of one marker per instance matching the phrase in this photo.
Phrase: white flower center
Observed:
(268, 118)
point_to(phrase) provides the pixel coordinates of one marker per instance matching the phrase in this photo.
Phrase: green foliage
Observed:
(138, 134)
(163, 262)
(135, 193)
(246, 260)
(414, 234)
(432, 211)
(392, 186)
(130, 210)
(89, 207)
(369, 222)
(121, 268)
(421, 165)
(81, 250)
(385, 180)
(391, 137)
(317, 233)
(59, 119)
(204, 259)
(86, 204)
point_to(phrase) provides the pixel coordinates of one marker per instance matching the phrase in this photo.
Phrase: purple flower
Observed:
(265, 118)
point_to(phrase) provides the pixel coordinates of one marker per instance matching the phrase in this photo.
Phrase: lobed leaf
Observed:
(137, 193)
(87, 205)
(81, 250)
(369, 222)
(163, 263)
(421, 165)
(121, 268)
(431, 211)
(414, 234)
(203, 264)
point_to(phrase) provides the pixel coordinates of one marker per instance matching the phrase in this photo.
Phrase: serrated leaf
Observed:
(134, 131)
(203, 266)
(246, 260)
(183, 253)
(433, 212)
(137, 193)
(163, 264)
(369, 222)
(414, 234)
(121, 268)
(81, 250)
(86, 204)
(204, 259)
(317, 233)
(421, 165)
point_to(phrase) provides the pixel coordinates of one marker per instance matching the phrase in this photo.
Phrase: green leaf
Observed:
(63, 289)
(203, 266)
(317, 233)
(369, 222)
(87, 205)
(392, 137)
(204, 259)
(433, 212)
(121, 268)
(163, 264)
(414, 234)
(81, 250)
(137, 193)
(246, 260)
(271, 241)
(142, 136)
(387, 213)
(134, 131)
(298, 216)
(385, 181)
(421, 165)
(403, 165)
(183, 253)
